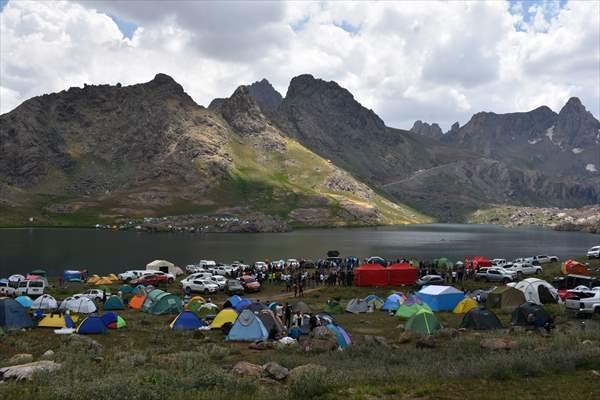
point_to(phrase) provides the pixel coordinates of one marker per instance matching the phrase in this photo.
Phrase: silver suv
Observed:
(495, 274)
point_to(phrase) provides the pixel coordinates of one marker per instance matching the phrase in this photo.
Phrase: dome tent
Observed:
(226, 316)
(56, 320)
(538, 291)
(44, 302)
(91, 325)
(342, 336)
(392, 303)
(356, 306)
(410, 308)
(520, 315)
(13, 315)
(301, 307)
(159, 302)
(505, 298)
(138, 300)
(232, 301)
(114, 303)
(206, 311)
(465, 305)
(25, 301)
(373, 300)
(248, 327)
(440, 298)
(78, 304)
(271, 322)
(423, 322)
(186, 320)
(480, 318)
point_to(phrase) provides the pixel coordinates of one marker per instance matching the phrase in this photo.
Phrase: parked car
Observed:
(199, 286)
(498, 262)
(429, 280)
(198, 275)
(218, 280)
(524, 268)
(293, 263)
(30, 288)
(571, 281)
(260, 266)
(193, 268)
(495, 274)
(94, 294)
(170, 277)
(594, 252)
(223, 270)
(543, 259)
(584, 302)
(234, 286)
(133, 274)
(152, 279)
(206, 264)
(250, 284)
(6, 289)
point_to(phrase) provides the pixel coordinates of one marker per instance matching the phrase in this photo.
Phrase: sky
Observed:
(434, 61)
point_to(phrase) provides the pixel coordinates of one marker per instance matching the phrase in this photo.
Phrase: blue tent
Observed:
(372, 297)
(125, 289)
(273, 305)
(25, 301)
(248, 327)
(108, 318)
(71, 276)
(342, 336)
(242, 304)
(392, 303)
(13, 315)
(440, 298)
(187, 320)
(92, 325)
(232, 301)
(139, 289)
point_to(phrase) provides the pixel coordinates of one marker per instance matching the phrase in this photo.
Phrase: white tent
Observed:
(44, 302)
(78, 304)
(16, 278)
(538, 291)
(163, 266)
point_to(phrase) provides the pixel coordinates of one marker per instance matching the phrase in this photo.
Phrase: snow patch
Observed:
(591, 168)
(577, 150)
(534, 141)
(550, 133)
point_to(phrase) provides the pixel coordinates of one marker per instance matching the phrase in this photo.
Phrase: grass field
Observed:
(148, 361)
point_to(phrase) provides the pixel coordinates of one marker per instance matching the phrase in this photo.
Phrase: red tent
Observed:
(478, 262)
(370, 275)
(401, 274)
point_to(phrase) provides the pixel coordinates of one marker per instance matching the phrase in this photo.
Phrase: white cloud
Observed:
(438, 62)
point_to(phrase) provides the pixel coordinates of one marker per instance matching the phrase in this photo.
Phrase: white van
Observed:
(30, 288)
(6, 289)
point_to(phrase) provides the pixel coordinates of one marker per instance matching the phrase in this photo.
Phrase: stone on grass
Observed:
(376, 341)
(21, 358)
(245, 368)
(275, 371)
(405, 337)
(26, 371)
(84, 343)
(48, 355)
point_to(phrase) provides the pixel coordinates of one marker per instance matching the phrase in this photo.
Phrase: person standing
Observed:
(287, 315)
(301, 288)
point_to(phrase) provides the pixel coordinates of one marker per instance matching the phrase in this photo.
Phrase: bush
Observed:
(309, 384)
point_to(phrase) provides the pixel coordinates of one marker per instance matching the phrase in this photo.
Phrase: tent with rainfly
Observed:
(194, 303)
(440, 298)
(423, 323)
(242, 304)
(410, 308)
(206, 311)
(356, 306)
(186, 320)
(113, 321)
(537, 291)
(92, 325)
(225, 316)
(248, 327)
(375, 301)
(25, 301)
(505, 298)
(13, 315)
(271, 322)
(465, 305)
(114, 303)
(342, 336)
(480, 318)
(44, 302)
(78, 304)
(137, 301)
(159, 302)
(520, 315)
(232, 301)
(56, 320)
(392, 302)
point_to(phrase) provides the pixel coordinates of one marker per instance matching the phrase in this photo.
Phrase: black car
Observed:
(234, 286)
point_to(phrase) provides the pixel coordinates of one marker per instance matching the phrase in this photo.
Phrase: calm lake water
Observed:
(101, 251)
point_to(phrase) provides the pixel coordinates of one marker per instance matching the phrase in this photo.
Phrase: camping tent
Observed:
(256, 307)
(392, 303)
(465, 305)
(370, 275)
(333, 307)
(274, 305)
(401, 274)
(232, 301)
(91, 325)
(520, 315)
(440, 298)
(186, 320)
(538, 291)
(112, 277)
(410, 308)
(16, 278)
(13, 315)
(574, 267)
(93, 279)
(125, 289)
(159, 302)
(162, 266)
(137, 301)
(71, 275)
(44, 302)
(423, 322)
(206, 311)
(113, 321)
(480, 318)
(114, 303)
(505, 298)
(57, 321)
(356, 306)
(226, 316)
(242, 304)
(374, 300)
(78, 304)
(271, 322)
(139, 289)
(301, 307)
(343, 339)
(103, 281)
(25, 301)
(195, 299)
(248, 327)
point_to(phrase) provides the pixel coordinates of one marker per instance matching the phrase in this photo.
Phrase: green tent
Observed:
(333, 307)
(480, 318)
(423, 322)
(159, 302)
(120, 322)
(114, 303)
(505, 298)
(206, 311)
(104, 288)
(408, 310)
(126, 289)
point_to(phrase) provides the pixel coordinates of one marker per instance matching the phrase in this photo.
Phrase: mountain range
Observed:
(315, 157)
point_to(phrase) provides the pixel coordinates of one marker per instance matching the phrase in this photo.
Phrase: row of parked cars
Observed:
(207, 282)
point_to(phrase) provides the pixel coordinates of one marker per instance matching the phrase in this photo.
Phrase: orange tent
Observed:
(137, 301)
(574, 267)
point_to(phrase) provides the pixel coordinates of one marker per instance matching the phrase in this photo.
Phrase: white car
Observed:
(218, 280)
(93, 294)
(206, 264)
(498, 262)
(293, 263)
(594, 252)
(170, 277)
(197, 275)
(524, 268)
(30, 288)
(222, 270)
(133, 274)
(585, 302)
(6, 289)
(543, 259)
(199, 286)
(261, 266)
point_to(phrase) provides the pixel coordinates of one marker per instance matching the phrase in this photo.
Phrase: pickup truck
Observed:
(524, 268)
(495, 274)
(584, 302)
(542, 259)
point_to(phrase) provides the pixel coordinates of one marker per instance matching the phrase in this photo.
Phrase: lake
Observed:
(102, 251)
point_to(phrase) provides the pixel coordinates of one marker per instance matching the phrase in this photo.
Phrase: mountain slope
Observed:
(107, 153)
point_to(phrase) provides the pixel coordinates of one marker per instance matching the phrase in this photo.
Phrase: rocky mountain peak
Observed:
(425, 129)
(576, 126)
(242, 112)
(265, 95)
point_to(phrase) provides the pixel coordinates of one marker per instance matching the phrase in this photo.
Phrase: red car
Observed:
(152, 279)
(250, 284)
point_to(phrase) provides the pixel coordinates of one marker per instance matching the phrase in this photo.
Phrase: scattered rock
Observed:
(48, 355)
(26, 371)
(85, 343)
(317, 344)
(21, 358)
(594, 372)
(302, 369)
(376, 341)
(405, 337)
(587, 342)
(426, 342)
(247, 369)
(275, 371)
(498, 344)
(261, 346)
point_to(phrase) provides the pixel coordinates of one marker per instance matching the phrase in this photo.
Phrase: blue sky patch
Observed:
(127, 28)
(300, 24)
(2, 4)
(351, 29)
(522, 7)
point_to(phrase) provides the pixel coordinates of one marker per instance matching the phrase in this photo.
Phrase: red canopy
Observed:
(478, 262)
(370, 275)
(401, 274)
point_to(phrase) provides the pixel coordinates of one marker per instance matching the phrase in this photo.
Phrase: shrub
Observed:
(309, 384)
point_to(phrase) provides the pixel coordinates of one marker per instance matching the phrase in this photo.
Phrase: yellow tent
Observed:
(465, 305)
(227, 315)
(55, 321)
(103, 281)
(93, 279)
(195, 299)
(112, 277)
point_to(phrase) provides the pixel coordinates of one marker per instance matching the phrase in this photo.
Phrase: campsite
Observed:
(389, 341)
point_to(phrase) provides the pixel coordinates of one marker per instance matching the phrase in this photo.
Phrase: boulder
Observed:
(302, 369)
(317, 344)
(405, 337)
(21, 358)
(80, 342)
(275, 371)
(498, 344)
(247, 369)
(48, 355)
(426, 342)
(376, 341)
(26, 371)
